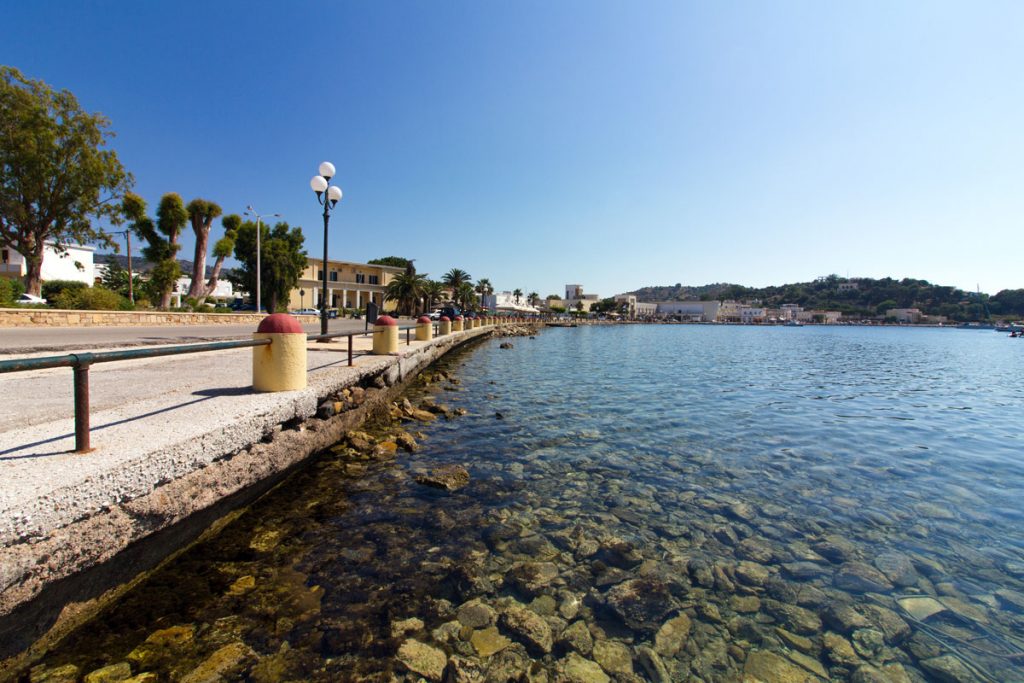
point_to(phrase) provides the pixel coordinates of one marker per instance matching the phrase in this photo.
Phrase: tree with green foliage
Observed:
(454, 279)
(201, 213)
(465, 295)
(161, 238)
(115, 278)
(532, 298)
(394, 261)
(517, 293)
(406, 289)
(484, 287)
(282, 260)
(433, 292)
(55, 174)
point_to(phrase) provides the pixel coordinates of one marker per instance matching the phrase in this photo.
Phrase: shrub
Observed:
(10, 290)
(92, 299)
(52, 289)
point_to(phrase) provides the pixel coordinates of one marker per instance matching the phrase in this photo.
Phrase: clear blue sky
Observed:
(613, 144)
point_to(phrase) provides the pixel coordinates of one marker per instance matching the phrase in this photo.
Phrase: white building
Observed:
(223, 290)
(574, 296)
(696, 311)
(751, 314)
(75, 263)
(506, 301)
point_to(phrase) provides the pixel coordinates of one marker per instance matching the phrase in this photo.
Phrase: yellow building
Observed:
(349, 285)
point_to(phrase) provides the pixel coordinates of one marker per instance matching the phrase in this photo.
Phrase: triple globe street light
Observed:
(328, 195)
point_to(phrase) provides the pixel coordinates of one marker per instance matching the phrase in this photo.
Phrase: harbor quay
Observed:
(177, 444)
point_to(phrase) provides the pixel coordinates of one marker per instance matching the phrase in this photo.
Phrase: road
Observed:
(24, 340)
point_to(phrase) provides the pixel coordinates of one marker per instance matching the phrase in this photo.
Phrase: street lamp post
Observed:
(328, 196)
(252, 212)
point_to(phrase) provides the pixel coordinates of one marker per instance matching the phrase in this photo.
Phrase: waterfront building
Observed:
(816, 316)
(574, 297)
(349, 285)
(636, 309)
(75, 263)
(750, 315)
(506, 301)
(729, 311)
(694, 311)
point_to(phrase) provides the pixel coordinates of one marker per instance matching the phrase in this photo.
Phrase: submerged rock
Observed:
(447, 477)
(527, 627)
(488, 641)
(614, 657)
(112, 673)
(771, 668)
(640, 603)
(576, 669)
(858, 577)
(422, 659)
(948, 669)
(672, 636)
(226, 663)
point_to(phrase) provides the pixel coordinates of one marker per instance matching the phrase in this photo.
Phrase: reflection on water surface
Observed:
(654, 503)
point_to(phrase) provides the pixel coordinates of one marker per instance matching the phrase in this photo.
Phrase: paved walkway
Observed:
(147, 406)
(23, 340)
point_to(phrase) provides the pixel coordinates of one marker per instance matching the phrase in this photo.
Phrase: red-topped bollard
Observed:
(457, 324)
(444, 325)
(385, 335)
(424, 328)
(280, 365)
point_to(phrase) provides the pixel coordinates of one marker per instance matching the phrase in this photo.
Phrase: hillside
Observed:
(862, 296)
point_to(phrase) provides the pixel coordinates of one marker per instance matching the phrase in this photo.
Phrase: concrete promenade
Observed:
(172, 436)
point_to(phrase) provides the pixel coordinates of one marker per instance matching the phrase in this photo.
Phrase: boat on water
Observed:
(793, 323)
(1011, 327)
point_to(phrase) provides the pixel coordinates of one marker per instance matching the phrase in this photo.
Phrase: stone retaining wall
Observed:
(50, 317)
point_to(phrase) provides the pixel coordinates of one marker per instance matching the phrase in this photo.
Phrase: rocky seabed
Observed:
(386, 561)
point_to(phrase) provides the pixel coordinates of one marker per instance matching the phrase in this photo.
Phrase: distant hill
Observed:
(141, 265)
(679, 292)
(858, 296)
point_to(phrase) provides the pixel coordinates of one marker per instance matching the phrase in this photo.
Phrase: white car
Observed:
(307, 311)
(31, 299)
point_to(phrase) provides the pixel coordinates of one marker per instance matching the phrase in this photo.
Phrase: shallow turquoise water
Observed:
(750, 471)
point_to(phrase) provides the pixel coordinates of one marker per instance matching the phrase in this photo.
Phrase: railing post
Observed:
(81, 369)
(408, 336)
(350, 350)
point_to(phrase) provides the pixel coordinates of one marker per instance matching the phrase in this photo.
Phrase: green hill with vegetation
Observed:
(870, 298)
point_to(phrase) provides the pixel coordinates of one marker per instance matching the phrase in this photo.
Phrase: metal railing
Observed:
(81, 362)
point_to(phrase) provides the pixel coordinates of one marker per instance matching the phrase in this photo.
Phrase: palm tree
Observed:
(432, 293)
(406, 289)
(465, 295)
(532, 298)
(517, 293)
(454, 279)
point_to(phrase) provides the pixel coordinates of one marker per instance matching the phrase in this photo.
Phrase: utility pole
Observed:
(131, 290)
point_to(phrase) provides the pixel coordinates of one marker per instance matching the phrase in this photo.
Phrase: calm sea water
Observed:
(834, 502)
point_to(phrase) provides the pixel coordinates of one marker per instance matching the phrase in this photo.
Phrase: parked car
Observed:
(31, 299)
(307, 311)
(450, 312)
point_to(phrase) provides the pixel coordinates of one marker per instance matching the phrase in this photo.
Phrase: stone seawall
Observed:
(49, 317)
(68, 553)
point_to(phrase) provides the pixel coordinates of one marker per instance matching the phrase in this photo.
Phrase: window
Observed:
(374, 279)
(360, 278)
(334, 276)
(5, 256)
(319, 275)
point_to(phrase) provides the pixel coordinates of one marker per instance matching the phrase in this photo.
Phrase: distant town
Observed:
(384, 282)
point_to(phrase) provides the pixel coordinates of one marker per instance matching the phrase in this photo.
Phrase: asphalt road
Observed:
(22, 340)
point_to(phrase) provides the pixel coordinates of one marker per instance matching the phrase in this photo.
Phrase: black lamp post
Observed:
(328, 196)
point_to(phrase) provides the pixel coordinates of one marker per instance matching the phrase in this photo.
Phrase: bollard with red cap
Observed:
(457, 324)
(385, 335)
(280, 365)
(424, 328)
(444, 325)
